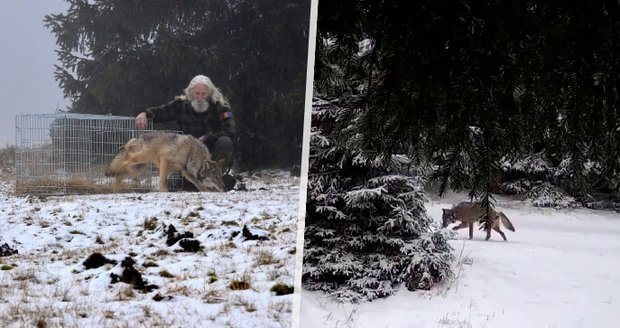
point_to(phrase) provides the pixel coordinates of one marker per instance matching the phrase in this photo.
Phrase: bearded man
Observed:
(203, 112)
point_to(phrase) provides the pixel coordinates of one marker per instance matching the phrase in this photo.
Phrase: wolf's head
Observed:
(447, 217)
(209, 177)
(117, 167)
(113, 169)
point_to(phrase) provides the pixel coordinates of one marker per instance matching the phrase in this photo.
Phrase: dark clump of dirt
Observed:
(184, 239)
(248, 235)
(173, 236)
(282, 289)
(158, 297)
(96, 260)
(6, 250)
(131, 276)
(190, 245)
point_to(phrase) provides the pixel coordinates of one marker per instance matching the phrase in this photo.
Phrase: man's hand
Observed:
(141, 120)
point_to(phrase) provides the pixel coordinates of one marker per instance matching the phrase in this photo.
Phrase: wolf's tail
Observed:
(505, 222)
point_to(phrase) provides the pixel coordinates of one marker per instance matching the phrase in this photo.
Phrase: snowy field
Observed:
(223, 277)
(560, 269)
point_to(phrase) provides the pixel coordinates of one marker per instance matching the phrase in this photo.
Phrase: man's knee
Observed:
(223, 148)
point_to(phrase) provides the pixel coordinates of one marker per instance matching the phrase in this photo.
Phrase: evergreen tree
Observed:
(367, 230)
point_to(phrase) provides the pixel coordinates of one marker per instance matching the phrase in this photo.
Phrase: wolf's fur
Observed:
(469, 213)
(170, 152)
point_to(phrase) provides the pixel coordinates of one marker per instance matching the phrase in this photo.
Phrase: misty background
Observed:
(27, 59)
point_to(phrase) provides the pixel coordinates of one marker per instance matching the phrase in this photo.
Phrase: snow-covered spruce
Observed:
(367, 230)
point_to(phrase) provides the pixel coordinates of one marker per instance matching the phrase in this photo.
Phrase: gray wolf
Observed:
(469, 213)
(169, 152)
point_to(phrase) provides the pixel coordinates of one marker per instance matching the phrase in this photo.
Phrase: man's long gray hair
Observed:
(215, 94)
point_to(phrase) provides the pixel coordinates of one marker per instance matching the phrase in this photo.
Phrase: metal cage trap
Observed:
(67, 153)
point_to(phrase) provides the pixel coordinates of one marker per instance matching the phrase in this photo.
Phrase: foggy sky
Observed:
(27, 59)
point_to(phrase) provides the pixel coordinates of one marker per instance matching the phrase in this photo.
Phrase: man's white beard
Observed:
(200, 106)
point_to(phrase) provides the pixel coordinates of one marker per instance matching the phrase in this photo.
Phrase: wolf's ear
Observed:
(131, 145)
(214, 165)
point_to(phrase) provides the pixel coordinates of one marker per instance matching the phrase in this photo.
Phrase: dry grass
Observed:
(25, 275)
(241, 283)
(150, 223)
(265, 257)
(279, 311)
(213, 295)
(178, 288)
(245, 303)
(212, 276)
(75, 186)
(224, 247)
(166, 274)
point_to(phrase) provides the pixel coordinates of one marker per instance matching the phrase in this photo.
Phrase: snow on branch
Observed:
(333, 212)
(364, 195)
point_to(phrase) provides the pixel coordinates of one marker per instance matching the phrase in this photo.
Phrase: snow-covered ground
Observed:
(561, 268)
(226, 283)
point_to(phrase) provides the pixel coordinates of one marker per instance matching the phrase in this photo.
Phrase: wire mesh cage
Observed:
(67, 153)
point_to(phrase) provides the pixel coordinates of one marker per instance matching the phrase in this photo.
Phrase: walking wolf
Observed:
(469, 213)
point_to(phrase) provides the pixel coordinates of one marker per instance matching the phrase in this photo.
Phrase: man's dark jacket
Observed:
(215, 122)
